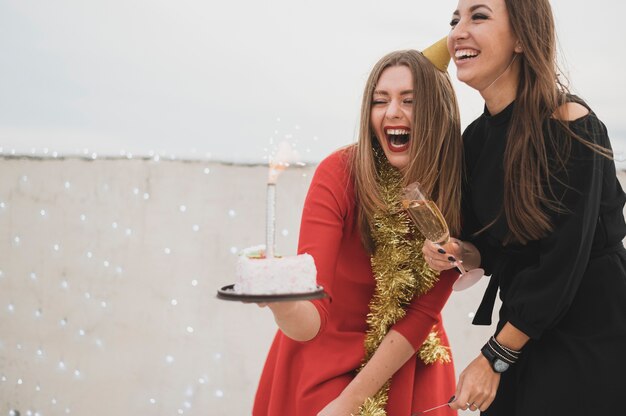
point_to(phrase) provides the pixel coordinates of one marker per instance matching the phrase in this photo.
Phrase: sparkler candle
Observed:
(277, 164)
(270, 230)
(270, 220)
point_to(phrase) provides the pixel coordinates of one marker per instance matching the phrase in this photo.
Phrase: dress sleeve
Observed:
(325, 212)
(470, 225)
(540, 295)
(423, 312)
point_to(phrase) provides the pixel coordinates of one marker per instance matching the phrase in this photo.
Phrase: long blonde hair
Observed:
(436, 154)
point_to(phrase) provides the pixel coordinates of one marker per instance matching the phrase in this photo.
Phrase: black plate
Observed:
(228, 293)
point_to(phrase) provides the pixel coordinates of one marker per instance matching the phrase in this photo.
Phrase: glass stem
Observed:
(459, 267)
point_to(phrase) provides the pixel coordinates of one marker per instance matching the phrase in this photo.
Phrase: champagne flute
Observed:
(428, 219)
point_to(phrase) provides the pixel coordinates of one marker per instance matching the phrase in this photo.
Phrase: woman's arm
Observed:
(328, 201)
(393, 352)
(478, 383)
(299, 320)
(400, 344)
(512, 337)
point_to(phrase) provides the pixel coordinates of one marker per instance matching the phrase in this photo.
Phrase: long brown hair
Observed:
(436, 145)
(528, 196)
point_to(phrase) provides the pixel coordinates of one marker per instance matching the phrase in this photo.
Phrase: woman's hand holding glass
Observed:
(441, 257)
(430, 222)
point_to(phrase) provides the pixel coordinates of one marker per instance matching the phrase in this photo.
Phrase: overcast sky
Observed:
(225, 79)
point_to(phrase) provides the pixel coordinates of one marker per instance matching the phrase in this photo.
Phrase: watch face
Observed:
(500, 366)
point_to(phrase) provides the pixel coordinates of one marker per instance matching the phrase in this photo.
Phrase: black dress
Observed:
(566, 291)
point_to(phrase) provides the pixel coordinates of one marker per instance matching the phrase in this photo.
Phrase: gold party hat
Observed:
(438, 54)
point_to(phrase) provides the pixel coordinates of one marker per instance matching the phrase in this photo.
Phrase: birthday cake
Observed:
(258, 275)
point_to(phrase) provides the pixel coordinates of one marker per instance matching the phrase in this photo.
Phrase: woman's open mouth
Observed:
(398, 138)
(465, 54)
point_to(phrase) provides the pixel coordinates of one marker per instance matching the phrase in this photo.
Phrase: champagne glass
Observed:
(428, 219)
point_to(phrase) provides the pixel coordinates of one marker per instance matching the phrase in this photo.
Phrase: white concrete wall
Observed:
(108, 276)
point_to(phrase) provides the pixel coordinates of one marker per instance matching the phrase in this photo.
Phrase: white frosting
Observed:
(277, 275)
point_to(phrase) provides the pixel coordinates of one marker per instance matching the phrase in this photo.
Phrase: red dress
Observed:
(301, 378)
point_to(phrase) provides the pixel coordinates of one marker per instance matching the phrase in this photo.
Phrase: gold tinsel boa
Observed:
(400, 273)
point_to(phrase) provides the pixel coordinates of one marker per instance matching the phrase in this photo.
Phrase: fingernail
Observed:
(451, 399)
(451, 258)
(442, 251)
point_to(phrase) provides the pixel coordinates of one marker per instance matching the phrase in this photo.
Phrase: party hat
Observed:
(438, 54)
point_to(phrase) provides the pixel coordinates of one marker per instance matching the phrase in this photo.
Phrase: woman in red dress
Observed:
(376, 344)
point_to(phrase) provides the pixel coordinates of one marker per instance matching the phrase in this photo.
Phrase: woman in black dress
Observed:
(543, 215)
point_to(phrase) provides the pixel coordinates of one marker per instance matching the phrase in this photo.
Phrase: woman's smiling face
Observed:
(482, 43)
(392, 113)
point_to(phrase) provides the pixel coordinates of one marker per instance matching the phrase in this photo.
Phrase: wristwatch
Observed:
(497, 364)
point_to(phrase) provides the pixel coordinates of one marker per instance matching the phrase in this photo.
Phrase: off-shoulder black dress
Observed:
(566, 291)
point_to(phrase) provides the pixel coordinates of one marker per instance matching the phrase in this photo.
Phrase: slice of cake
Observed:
(257, 275)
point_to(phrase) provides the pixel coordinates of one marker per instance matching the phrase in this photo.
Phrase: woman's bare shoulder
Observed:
(570, 111)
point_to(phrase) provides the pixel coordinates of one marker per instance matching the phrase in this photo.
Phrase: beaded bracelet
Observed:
(506, 354)
(507, 349)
